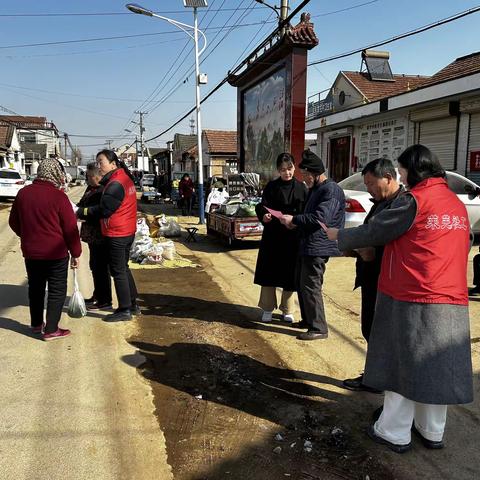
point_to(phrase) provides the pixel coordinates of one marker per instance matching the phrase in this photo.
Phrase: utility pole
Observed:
(65, 146)
(142, 130)
(283, 15)
(109, 143)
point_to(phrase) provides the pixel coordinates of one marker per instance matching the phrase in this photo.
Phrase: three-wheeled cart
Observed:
(230, 228)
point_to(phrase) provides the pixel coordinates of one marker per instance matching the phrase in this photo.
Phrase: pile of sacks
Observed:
(150, 246)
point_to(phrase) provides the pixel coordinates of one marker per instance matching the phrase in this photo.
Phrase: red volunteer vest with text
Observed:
(428, 264)
(123, 222)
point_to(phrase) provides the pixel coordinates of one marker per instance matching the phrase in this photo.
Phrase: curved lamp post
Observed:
(133, 7)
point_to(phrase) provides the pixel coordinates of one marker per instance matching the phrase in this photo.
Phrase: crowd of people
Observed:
(411, 252)
(411, 260)
(46, 222)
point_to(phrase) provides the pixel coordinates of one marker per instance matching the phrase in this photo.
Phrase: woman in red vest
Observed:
(118, 213)
(419, 351)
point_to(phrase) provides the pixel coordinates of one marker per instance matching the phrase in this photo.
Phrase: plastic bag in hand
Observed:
(76, 307)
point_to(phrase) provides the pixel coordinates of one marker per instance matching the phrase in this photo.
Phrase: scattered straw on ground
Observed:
(177, 262)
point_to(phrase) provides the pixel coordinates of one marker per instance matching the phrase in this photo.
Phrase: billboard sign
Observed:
(264, 112)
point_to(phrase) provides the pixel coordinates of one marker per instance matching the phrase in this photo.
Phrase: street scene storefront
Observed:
(441, 112)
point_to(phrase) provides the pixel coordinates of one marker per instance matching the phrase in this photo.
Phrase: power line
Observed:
(157, 89)
(190, 70)
(410, 33)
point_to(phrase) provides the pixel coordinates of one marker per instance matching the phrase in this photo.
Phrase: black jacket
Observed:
(368, 272)
(325, 204)
(277, 255)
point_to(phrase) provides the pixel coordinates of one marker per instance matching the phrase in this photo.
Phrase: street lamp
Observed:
(188, 30)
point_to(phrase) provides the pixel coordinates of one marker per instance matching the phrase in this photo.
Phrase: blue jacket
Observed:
(326, 204)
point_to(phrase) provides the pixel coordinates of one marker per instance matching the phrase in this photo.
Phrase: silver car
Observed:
(358, 200)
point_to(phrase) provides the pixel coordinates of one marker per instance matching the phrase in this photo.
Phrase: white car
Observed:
(358, 200)
(10, 183)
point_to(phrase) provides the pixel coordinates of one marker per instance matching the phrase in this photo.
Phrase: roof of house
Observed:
(374, 90)
(182, 143)
(154, 151)
(6, 135)
(221, 141)
(461, 67)
(23, 121)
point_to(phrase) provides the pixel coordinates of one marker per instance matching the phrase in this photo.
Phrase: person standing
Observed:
(380, 178)
(186, 190)
(91, 233)
(118, 213)
(278, 252)
(419, 351)
(325, 204)
(43, 218)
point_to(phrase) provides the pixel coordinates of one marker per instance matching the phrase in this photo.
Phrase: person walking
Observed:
(118, 213)
(91, 233)
(419, 349)
(325, 205)
(186, 190)
(43, 218)
(380, 179)
(278, 252)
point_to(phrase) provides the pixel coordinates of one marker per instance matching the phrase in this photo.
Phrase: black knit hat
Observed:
(312, 163)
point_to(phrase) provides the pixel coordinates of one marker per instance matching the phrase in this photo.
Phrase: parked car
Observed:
(10, 183)
(358, 200)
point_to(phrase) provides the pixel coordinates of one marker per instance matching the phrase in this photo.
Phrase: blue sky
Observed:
(93, 88)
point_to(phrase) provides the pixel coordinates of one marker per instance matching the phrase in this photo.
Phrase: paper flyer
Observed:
(274, 213)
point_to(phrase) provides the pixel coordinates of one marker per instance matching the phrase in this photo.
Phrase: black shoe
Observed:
(376, 414)
(474, 291)
(312, 335)
(135, 310)
(431, 444)
(118, 316)
(300, 324)
(90, 300)
(392, 446)
(357, 385)
(99, 306)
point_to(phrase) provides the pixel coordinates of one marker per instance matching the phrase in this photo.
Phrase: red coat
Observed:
(428, 264)
(186, 188)
(123, 222)
(42, 216)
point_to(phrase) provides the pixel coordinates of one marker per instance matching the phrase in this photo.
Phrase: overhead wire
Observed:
(191, 69)
(401, 36)
(393, 39)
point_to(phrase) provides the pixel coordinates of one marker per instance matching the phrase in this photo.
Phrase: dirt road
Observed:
(226, 385)
(70, 409)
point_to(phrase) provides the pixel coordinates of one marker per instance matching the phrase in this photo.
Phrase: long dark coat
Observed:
(279, 246)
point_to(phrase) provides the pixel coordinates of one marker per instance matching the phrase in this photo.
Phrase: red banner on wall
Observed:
(475, 161)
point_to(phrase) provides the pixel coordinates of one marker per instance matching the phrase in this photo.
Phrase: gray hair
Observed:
(93, 169)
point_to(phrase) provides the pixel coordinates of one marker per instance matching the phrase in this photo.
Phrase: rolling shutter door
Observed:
(440, 137)
(474, 144)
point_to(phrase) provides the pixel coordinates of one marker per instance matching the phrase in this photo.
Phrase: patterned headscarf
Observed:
(51, 170)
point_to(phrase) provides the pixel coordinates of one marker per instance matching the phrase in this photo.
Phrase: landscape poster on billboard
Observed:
(264, 125)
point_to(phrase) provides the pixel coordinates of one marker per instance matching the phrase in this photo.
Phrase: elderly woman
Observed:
(278, 252)
(419, 350)
(43, 218)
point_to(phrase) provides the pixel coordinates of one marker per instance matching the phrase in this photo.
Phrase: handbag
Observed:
(76, 306)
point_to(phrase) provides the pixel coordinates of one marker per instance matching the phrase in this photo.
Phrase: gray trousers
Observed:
(309, 280)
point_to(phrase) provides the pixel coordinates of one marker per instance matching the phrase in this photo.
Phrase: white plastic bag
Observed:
(76, 306)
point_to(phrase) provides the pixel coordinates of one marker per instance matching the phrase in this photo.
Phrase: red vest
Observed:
(428, 264)
(123, 222)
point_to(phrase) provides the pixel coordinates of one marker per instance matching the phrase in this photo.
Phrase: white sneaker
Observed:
(288, 318)
(267, 316)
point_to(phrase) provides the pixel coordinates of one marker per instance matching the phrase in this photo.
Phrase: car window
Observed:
(457, 184)
(354, 182)
(10, 175)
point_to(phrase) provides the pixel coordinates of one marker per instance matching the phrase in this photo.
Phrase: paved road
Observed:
(70, 409)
